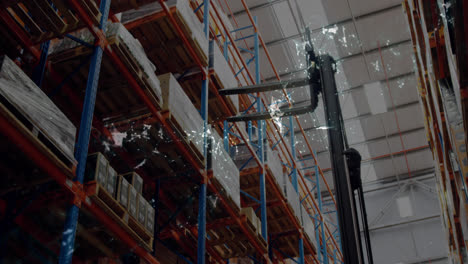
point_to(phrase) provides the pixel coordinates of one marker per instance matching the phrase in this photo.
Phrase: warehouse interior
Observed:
(197, 131)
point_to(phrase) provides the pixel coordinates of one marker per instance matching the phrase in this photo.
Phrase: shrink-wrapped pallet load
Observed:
(225, 170)
(28, 103)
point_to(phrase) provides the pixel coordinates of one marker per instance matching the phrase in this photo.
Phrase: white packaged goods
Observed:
(308, 225)
(117, 32)
(96, 169)
(132, 201)
(184, 10)
(224, 169)
(22, 94)
(274, 165)
(224, 74)
(181, 109)
(122, 192)
(111, 180)
(150, 218)
(293, 199)
(141, 209)
(134, 179)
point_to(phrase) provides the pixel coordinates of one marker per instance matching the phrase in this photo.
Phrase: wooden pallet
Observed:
(118, 213)
(115, 98)
(37, 138)
(164, 45)
(231, 242)
(41, 21)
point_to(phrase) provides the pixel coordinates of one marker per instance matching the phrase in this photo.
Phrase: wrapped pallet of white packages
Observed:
(184, 12)
(116, 33)
(274, 166)
(308, 224)
(223, 74)
(181, 110)
(293, 199)
(19, 94)
(224, 169)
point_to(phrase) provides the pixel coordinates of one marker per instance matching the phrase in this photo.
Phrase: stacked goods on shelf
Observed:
(225, 172)
(160, 39)
(43, 20)
(252, 219)
(114, 94)
(28, 108)
(273, 165)
(119, 198)
(182, 114)
(432, 29)
(223, 76)
(293, 199)
(308, 225)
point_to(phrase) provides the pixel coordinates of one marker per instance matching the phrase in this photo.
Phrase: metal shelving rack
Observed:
(328, 250)
(439, 36)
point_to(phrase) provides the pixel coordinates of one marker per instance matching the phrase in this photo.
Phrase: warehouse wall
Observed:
(404, 222)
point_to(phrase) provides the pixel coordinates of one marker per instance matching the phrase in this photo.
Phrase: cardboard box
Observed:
(142, 204)
(96, 169)
(133, 201)
(111, 184)
(252, 218)
(122, 191)
(150, 218)
(135, 180)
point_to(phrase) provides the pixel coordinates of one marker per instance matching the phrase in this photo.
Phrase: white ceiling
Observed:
(368, 108)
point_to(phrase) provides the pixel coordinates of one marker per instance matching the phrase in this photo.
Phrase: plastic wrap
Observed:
(183, 8)
(274, 164)
(308, 224)
(120, 33)
(224, 73)
(181, 109)
(224, 169)
(141, 209)
(293, 199)
(23, 94)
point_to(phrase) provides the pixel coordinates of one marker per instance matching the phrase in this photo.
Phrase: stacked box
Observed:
(150, 218)
(119, 32)
(224, 73)
(19, 91)
(97, 169)
(249, 212)
(123, 191)
(181, 109)
(293, 199)
(132, 201)
(183, 8)
(135, 180)
(308, 225)
(111, 180)
(275, 166)
(224, 169)
(142, 205)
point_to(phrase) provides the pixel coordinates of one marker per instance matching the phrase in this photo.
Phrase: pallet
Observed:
(37, 138)
(115, 98)
(163, 44)
(41, 21)
(118, 213)
(230, 242)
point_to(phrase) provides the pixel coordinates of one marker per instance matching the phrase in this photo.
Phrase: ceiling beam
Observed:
(257, 7)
